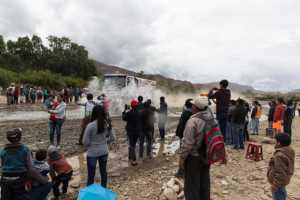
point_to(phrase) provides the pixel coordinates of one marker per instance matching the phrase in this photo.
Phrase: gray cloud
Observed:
(248, 42)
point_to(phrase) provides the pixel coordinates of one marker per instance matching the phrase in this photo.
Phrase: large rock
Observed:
(169, 194)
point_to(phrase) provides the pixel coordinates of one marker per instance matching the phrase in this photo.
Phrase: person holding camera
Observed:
(222, 96)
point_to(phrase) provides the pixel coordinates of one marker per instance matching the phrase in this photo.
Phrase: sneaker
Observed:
(179, 175)
(64, 194)
(134, 163)
(149, 156)
(58, 147)
(161, 139)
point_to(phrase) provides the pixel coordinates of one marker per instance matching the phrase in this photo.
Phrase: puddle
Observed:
(164, 147)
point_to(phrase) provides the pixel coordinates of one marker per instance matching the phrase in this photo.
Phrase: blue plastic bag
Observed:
(94, 192)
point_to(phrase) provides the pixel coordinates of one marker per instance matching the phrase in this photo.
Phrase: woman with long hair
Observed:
(96, 135)
(56, 121)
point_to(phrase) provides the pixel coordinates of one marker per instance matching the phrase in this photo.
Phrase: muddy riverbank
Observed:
(245, 178)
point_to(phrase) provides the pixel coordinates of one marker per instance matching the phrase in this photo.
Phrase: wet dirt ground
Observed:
(245, 178)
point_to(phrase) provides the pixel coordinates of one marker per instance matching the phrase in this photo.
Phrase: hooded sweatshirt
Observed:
(223, 97)
(16, 158)
(59, 164)
(281, 167)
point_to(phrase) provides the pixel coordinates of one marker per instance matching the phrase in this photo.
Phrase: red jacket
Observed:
(16, 93)
(279, 112)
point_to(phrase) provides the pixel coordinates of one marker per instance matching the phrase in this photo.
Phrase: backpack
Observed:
(213, 147)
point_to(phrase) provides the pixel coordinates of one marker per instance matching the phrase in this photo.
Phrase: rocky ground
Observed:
(241, 178)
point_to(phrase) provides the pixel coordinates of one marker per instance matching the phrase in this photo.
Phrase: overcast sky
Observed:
(253, 42)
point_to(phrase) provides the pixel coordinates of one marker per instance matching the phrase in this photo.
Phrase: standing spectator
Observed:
(133, 129)
(16, 95)
(152, 108)
(185, 116)
(15, 159)
(288, 117)
(237, 122)
(229, 133)
(298, 108)
(272, 105)
(71, 94)
(22, 95)
(278, 116)
(162, 118)
(39, 95)
(140, 103)
(95, 138)
(0, 90)
(246, 133)
(45, 95)
(65, 91)
(281, 166)
(56, 122)
(76, 94)
(222, 96)
(147, 119)
(294, 110)
(255, 116)
(60, 166)
(9, 96)
(196, 170)
(32, 95)
(27, 94)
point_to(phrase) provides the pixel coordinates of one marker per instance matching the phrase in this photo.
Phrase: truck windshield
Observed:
(114, 80)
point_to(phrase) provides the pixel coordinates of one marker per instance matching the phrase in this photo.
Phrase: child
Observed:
(50, 103)
(9, 96)
(39, 164)
(59, 164)
(16, 159)
(281, 166)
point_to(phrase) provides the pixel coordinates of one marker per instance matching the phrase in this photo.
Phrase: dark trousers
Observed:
(132, 138)
(287, 126)
(180, 169)
(222, 117)
(40, 192)
(85, 121)
(64, 179)
(197, 180)
(14, 188)
(91, 165)
(27, 98)
(161, 128)
(45, 98)
(16, 97)
(246, 133)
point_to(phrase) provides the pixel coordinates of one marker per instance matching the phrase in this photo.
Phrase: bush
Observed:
(7, 77)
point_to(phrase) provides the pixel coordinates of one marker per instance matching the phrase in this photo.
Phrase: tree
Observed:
(141, 74)
(2, 46)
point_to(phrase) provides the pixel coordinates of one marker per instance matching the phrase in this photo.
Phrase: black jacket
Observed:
(239, 115)
(288, 113)
(147, 120)
(185, 116)
(133, 118)
(271, 113)
(140, 105)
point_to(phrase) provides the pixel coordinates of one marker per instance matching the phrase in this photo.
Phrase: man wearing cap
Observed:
(133, 128)
(197, 181)
(185, 116)
(15, 159)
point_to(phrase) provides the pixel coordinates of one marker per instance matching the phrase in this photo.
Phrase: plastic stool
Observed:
(256, 150)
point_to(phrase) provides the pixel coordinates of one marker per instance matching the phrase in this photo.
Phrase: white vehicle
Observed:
(120, 89)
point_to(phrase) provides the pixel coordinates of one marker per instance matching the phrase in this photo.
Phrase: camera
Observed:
(215, 88)
(127, 107)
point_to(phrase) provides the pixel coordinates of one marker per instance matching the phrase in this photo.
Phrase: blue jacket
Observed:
(133, 118)
(16, 158)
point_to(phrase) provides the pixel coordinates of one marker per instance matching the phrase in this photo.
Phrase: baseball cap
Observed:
(134, 103)
(200, 102)
(14, 135)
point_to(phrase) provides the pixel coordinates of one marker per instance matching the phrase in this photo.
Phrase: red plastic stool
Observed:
(256, 150)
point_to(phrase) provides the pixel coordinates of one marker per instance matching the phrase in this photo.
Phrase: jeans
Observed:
(64, 179)
(132, 139)
(16, 99)
(142, 139)
(222, 117)
(55, 124)
(161, 128)
(91, 165)
(228, 133)
(238, 135)
(197, 180)
(279, 195)
(40, 192)
(287, 126)
(255, 124)
(16, 188)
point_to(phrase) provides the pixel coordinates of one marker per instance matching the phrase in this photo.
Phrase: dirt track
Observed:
(245, 178)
